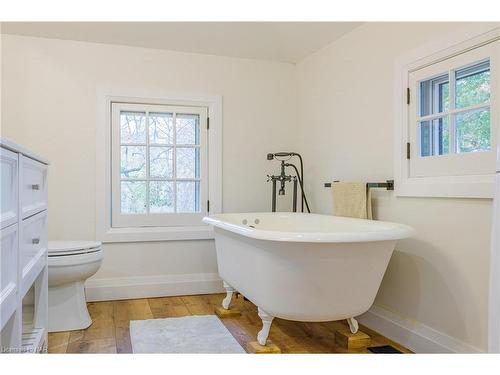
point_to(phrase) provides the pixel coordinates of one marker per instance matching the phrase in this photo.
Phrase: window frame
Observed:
(479, 185)
(452, 163)
(177, 229)
(433, 100)
(120, 220)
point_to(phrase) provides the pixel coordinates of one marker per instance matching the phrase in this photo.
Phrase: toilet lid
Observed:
(73, 247)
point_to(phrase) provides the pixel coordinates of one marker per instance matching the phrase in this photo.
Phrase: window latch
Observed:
(407, 150)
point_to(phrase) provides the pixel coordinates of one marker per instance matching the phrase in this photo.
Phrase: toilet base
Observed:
(68, 308)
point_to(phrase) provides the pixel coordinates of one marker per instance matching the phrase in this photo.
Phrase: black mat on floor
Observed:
(385, 349)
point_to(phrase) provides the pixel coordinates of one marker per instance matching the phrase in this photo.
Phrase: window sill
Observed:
(150, 234)
(474, 186)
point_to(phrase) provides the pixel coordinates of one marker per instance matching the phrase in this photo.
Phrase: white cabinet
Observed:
(33, 188)
(32, 248)
(8, 272)
(9, 176)
(23, 252)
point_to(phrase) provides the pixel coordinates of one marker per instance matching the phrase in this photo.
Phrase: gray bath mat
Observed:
(189, 334)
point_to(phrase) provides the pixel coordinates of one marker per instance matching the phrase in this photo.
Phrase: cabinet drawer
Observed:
(8, 272)
(33, 186)
(33, 248)
(9, 176)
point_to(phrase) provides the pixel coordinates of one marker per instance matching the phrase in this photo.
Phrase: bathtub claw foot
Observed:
(229, 295)
(266, 326)
(353, 325)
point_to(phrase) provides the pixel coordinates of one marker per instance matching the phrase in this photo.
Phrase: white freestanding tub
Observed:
(303, 267)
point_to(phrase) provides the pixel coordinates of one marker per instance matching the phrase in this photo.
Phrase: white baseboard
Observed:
(152, 286)
(417, 337)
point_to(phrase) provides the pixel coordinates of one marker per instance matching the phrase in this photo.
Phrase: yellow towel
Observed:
(352, 199)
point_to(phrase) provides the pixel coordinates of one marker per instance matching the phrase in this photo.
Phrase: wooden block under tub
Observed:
(269, 348)
(223, 313)
(347, 340)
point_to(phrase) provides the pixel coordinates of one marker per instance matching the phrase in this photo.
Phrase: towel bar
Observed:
(389, 184)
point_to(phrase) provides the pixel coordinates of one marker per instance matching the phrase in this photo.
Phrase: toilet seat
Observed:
(71, 248)
(58, 261)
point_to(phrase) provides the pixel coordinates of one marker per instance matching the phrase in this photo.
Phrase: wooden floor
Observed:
(109, 332)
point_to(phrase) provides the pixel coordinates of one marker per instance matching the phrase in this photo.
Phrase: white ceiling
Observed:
(277, 41)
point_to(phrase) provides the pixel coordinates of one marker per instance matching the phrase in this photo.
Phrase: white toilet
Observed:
(70, 264)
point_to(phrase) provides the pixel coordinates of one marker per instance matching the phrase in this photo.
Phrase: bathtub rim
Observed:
(396, 232)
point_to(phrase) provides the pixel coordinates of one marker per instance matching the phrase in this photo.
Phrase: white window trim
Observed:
(120, 220)
(471, 186)
(104, 231)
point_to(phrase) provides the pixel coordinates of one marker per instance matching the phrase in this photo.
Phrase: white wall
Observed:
(49, 95)
(345, 101)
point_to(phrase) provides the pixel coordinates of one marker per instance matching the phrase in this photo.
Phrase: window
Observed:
(450, 122)
(462, 115)
(159, 165)
(450, 119)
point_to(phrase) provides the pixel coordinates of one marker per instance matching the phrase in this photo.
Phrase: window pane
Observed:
(133, 162)
(133, 127)
(473, 131)
(188, 162)
(133, 197)
(187, 127)
(188, 193)
(161, 162)
(442, 134)
(434, 137)
(443, 97)
(161, 196)
(425, 130)
(434, 95)
(472, 85)
(161, 128)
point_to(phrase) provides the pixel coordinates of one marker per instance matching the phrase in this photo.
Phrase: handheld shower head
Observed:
(284, 154)
(280, 155)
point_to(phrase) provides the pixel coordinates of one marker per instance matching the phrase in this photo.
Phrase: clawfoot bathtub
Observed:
(303, 267)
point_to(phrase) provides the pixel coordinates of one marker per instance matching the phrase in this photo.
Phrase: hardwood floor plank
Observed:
(110, 332)
(75, 336)
(92, 346)
(58, 342)
(123, 312)
(134, 309)
(122, 337)
(99, 330)
(198, 305)
(242, 335)
(102, 328)
(168, 307)
(216, 299)
(296, 338)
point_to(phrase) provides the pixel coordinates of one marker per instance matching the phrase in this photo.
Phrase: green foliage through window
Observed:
(471, 123)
